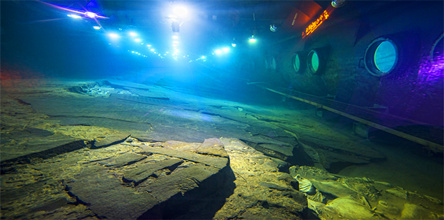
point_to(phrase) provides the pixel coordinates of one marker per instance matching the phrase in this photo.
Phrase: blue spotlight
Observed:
(114, 36)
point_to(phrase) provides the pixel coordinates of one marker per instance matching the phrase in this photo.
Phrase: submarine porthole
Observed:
(385, 56)
(270, 63)
(297, 63)
(437, 49)
(313, 61)
(273, 63)
(381, 57)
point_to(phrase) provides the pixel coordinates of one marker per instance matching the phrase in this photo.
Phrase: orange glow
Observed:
(315, 24)
(13, 76)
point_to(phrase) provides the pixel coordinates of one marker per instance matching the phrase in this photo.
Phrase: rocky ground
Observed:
(216, 179)
(121, 150)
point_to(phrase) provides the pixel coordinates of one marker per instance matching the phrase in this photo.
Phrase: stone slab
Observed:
(106, 196)
(218, 162)
(212, 146)
(143, 171)
(161, 189)
(110, 140)
(123, 160)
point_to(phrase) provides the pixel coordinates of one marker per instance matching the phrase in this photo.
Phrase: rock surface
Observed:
(130, 180)
(135, 184)
(262, 192)
(146, 112)
(363, 198)
(66, 150)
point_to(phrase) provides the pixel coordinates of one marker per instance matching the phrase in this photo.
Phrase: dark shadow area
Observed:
(309, 214)
(200, 203)
(432, 133)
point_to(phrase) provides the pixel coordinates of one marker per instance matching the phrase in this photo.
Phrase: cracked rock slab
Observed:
(156, 180)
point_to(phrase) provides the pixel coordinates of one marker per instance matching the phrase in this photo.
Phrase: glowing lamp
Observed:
(96, 27)
(233, 45)
(226, 49)
(113, 36)
(152, 50)
(180, 11)
(90, 14)
(74, 16)
(252, 39)
(137, 40)
(132, 34)
(218, 52)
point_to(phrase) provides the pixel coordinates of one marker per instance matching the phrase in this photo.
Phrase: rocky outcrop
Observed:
(157, 181)
(262, 192)
(130, 180)
(340, 197)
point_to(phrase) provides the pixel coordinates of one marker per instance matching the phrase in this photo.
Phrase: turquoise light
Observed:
(315, 61)
(297, 63)
(252, 40)
(385, 56)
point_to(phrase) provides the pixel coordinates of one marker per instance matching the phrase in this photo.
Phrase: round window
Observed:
(313, 61)
(273, 63)
(381, 57)
(297, 63)
(270, 63)
(437, 51)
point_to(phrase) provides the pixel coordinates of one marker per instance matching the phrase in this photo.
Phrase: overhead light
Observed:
(337, 3)
(74, 16)
(148, 45)
(152, 49)
(226, 49)
(175, 37)
(180, 11)
(113, 35)
(252, 39)
(233, 45)
(218, 51)
(132, 34)
(90, 14)
(97, 27)
(137, 40)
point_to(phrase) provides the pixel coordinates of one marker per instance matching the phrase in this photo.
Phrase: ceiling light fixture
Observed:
(252, 39)
(74, 16)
